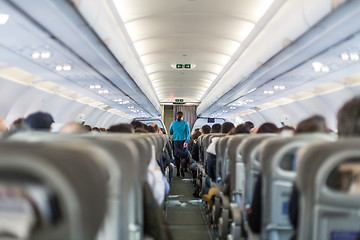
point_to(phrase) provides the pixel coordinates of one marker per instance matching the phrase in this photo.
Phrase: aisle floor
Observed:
(186, 214)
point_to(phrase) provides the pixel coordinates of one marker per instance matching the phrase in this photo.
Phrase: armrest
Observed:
(235, 213)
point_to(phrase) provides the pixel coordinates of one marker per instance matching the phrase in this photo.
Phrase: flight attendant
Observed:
(181, 134)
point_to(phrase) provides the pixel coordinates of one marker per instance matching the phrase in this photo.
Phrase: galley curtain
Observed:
(189, 113)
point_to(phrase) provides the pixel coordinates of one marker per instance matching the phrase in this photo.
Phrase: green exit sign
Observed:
(179, 100)
(180, 66)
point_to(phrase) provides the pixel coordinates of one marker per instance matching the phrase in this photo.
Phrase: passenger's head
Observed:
(179, 115)
(249, 125)
(268, 128)
(121, 128)
(205, 129)
(313, 124)
(39, 121)
(348, 118)
(196, 135)
(17, 124)
(226, 127)
(140, 130)
(163, 131)
(287, 131)
(72, 127)
(88, 128)
(216, 128)
(137, 124)
(241, 128)
(155, 127)
(96, 129)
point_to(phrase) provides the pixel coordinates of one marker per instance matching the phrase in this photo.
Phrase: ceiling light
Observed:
(92, 86)
(354, 56)
(225, 111)
(325, 69)
(345, 56)
(276, 87)
(97, 86)
(282, 87)
(59, 68)
(249, 100)
(232, 108)
(67, 67)
(266, 92)
(35, 55)
(317, 66)
(47, 54)
(118, 100)
(4, 18)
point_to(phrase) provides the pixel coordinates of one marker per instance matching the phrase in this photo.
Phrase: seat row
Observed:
(320, 165)
(76, 187)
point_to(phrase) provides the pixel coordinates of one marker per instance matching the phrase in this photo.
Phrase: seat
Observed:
(127, 161)
(277, 159)
(222, 159)
(74, 176)
(328, 182)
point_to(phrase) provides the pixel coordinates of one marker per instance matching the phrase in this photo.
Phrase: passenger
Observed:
(140, 130)
(3, 127)
(216, 128)
(150, 129)
(249, 125)
(17, 124)
(206, 129)
(121, 128)
(313, 124)
(39, 121)
(96, 129)
(211, 163)
(137, 124)
(254, 213)
(72, 127)
(88, 128)
(268, 128)
(195, 159)
(156, 128)
(163, 131)
(241, 128)
(181, 134)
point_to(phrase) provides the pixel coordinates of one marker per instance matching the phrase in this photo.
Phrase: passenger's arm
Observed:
(171, 131)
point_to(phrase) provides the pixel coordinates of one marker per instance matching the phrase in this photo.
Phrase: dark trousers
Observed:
(180, 155)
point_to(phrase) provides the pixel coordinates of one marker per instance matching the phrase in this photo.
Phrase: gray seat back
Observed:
(222, 159)
(236, 166)
(277, 160)
(328, 182)
(76, 176)
(250, 151)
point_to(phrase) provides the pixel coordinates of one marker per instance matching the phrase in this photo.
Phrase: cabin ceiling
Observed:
(203, 33)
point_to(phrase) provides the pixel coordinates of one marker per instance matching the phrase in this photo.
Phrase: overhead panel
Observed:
(204, 34)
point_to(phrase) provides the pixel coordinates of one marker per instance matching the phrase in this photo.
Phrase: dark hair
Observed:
(163, 130)
(268, 128)
(216, 128)
(196, 135)
(140, 130)
(96, 129)
(155, 126)
(205, 129)
(88, 128)
(348, 118)
(121, 128)
(137, 124)
(179, 115)
(39, 121)
(249, 125)
(241, 128)
(226, 127)
(313, 124)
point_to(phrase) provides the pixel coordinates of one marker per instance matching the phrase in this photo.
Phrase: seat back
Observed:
(250, 151)
(277, 160)
(75, 176)
(236, 166)
(222, 159)
(328, 182)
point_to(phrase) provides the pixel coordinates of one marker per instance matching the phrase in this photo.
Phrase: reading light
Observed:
(59, 68)
(97, 86)
(325, 69)
(4, 18)
(67, 67)
(317, 66)
(47, 54)
(35, 55)
(354, 56)
(345, 56)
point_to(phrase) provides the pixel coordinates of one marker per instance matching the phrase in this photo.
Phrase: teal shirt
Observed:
(180, 130)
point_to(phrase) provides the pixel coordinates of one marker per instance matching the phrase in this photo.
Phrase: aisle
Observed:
(185, 213)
